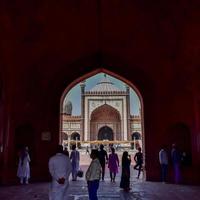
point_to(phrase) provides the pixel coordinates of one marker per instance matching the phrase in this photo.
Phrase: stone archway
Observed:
(136, 136)
(75, 136)
(102, 117)
(105, 133)
(100, 109)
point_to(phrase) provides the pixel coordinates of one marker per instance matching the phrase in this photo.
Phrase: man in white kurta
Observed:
(60, 168)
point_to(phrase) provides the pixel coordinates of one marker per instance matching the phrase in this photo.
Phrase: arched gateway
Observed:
(105, 133)
(105, 114)
(105, 119)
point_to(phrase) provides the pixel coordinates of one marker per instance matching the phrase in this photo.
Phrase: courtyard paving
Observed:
(141, 190)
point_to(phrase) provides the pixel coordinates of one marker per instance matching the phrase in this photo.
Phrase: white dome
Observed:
(105, 85)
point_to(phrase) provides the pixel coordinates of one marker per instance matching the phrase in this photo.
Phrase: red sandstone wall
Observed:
(47, 45)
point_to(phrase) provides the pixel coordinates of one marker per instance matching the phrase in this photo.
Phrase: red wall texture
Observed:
(45, 45)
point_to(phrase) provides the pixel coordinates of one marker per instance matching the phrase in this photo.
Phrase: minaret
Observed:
(128, 112)
(82, 85)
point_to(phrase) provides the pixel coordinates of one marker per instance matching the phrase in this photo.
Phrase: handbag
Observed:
(80, 173)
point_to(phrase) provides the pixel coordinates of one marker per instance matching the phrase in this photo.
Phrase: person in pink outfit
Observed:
(113, 164)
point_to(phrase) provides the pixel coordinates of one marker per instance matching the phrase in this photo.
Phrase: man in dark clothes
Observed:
(139, 161)
(103, 158)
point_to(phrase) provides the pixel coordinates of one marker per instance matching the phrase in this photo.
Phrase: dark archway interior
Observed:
(180, 135)
(25, 136)
(136, 136)
(105, 133)
(75, 136)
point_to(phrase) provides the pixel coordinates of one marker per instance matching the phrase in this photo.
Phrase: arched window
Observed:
(136, 136)
(75, 136)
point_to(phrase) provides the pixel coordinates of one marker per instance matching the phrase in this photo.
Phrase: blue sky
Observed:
(74, 95)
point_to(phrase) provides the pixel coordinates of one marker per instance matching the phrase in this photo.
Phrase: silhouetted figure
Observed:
(176, 159)
(60, 168)
(75, 158)
(163, 160)
(93, 175)
(139, 161)
(23, 171)
(185, 159)
(125, 177)
(87, 150)
(66, 152)
(113, 164)
(103, 158)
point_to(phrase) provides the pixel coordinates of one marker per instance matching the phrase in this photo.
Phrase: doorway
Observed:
(105, 133)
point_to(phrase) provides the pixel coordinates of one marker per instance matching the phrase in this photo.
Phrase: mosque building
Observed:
(105, 116)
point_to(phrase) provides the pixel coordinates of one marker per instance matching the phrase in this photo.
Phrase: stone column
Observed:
(128, 112)
(82, 85)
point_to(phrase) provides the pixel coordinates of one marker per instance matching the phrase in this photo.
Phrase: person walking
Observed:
(75, 158)
(139, 161)
(87, 150)
(163, 160)
(103, 158)
(93, 175)
(125, 177)
(23, 171)
(60, 168)
(113, 164)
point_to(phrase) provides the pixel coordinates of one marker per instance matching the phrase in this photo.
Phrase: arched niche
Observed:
(105, 133)
(180, 135)
(136, 136)
(104, 117)
(75, 136)
(24, 136)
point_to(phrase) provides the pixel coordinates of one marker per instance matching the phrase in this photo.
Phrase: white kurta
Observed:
(23, 170)
(59, 166)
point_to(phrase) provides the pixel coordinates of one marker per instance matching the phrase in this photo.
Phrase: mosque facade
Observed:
(105, 116)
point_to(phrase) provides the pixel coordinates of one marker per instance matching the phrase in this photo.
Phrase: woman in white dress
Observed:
(23, 171)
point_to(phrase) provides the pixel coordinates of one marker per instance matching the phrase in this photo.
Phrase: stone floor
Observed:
(141, 190)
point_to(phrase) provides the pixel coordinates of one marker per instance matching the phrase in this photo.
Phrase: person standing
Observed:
(66, 152)
(23, 171)
(75, 158)
(113, 164)
(139, 161)
(103, 158)
(125, 177)
(60, 168)
(176, 158)
(93, 175)
(87, 150)
(163, 160)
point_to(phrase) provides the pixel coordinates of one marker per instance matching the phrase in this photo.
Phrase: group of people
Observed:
(176, 157)
(61, 165)
(113, 164)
